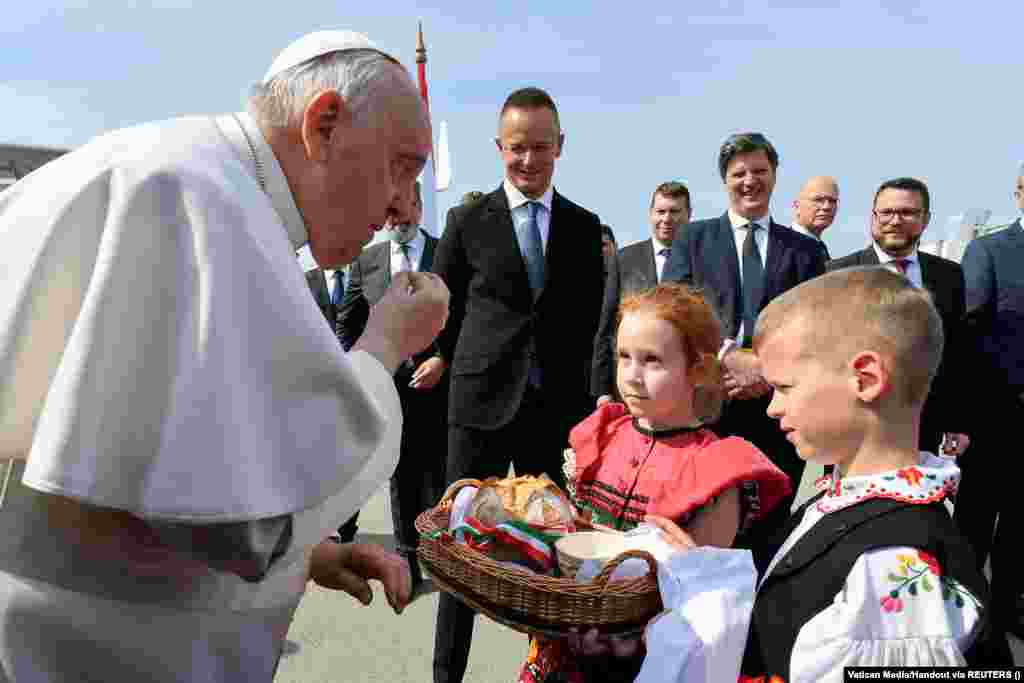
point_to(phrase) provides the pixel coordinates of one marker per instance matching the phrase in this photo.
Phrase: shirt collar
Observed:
(885, 258)
(277, 184)
(517, 198)
(415, 244)
(739, 221)
(804, 231)
(658, 246)
(931, 480)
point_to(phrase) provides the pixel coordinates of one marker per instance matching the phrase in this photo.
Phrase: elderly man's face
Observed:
(816, 206)
(366, 179)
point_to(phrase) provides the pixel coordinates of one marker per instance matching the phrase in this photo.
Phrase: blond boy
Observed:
(872, 571)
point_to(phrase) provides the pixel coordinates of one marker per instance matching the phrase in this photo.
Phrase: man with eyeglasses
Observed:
(901, 211)
(815, 208)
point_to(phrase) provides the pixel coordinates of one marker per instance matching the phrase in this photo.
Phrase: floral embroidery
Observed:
(930, 481)
(915, 574)
(911, 475)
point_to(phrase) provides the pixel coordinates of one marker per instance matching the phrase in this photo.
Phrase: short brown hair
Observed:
(907, 185)
(673, 190)
(745, 143)
(700, 332)
(530, 98)
(868, 307)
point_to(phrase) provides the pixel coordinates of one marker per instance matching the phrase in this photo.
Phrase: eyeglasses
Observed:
(887, 215)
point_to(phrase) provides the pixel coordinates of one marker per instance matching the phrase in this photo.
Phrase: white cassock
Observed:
(161, 359)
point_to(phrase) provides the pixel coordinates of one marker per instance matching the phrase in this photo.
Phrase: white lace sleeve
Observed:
(569, 470)
(896, 609)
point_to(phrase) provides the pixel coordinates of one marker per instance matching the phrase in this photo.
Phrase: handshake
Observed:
(406, 320)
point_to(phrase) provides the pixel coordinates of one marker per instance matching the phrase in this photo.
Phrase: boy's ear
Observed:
(870, 376)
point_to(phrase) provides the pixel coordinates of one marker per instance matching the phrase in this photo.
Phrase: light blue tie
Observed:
(338, 290)
(533, 251)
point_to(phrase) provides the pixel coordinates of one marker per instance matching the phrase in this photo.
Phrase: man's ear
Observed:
(870, 377)
(561, 144)
(324, 118)
(497, 142)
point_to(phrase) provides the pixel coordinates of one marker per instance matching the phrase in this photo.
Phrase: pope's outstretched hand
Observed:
(407, 319)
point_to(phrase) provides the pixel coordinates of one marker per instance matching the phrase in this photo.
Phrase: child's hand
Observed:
(675, 536)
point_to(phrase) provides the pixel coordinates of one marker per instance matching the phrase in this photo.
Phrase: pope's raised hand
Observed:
(409, 316)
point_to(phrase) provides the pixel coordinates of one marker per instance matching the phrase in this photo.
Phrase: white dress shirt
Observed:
(517, 202)
(659, 258)
(739, 233)
(416, 246)
(913, 267)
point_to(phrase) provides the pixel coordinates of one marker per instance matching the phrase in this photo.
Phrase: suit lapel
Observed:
(773, 260)
(504, 237)
(427, 260)
(727, 247)
(559, 241)
(868, 257)
(652, 265)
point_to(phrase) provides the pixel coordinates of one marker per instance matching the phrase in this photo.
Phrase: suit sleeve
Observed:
(602, 380)
(679, 267)
(979, 278)
(354, 310)
(451, 265)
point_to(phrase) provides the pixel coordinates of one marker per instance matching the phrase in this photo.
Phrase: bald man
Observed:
(815, 208)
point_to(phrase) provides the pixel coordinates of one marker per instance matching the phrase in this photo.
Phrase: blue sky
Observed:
(647, 91)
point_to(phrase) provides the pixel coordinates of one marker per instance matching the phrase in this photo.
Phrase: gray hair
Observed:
(358, 76)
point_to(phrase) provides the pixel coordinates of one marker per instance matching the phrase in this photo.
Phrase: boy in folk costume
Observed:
(872, 571)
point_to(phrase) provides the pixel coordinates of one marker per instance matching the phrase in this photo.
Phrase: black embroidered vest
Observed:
(807, 579)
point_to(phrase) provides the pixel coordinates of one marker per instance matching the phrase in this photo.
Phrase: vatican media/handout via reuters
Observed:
(882, 673)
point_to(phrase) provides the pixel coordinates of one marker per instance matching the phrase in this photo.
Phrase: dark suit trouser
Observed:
(534, 443)
(418, 478)
(749, 420)
(988, 492)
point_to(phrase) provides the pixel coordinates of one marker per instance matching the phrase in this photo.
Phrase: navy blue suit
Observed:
(994, 275)
(704, 256)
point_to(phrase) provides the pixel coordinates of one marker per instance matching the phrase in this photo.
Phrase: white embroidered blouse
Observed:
(897, 608)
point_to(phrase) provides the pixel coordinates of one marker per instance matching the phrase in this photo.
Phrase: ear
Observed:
(323, 119)
(870, 376)
(927, 219)
(561, 142)
(497, 142)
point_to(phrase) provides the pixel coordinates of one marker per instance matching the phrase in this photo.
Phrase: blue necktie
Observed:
(533, 250)
(338, 290)
(753, 283)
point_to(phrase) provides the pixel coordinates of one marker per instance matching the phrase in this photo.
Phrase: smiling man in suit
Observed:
(642, 265)
(526, 271)
(422, 389)
(901, 211)
(742, 260)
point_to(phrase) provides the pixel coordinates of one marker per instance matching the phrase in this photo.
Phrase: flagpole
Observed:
(428, 182)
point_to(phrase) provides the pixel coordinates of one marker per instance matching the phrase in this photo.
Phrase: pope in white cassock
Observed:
(180, 426)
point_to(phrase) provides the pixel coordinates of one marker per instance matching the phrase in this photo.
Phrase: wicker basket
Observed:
(528, 602)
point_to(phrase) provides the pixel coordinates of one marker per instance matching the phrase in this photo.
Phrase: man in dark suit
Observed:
(900, 214)
(994, 273)
(422, 389)
(742, 260)
(525, 269)
(642, 265)
(814, 209)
